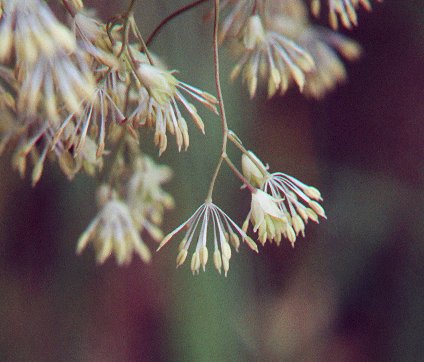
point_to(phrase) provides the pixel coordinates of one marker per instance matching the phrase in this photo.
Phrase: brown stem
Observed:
(239, 174)
(172, 16)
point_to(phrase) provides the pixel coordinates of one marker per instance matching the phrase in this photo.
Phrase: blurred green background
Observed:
(352, 290)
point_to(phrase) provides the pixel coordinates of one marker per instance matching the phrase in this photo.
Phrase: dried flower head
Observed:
(113, 231)
(225, 232)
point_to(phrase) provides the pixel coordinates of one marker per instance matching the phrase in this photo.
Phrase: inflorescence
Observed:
(78, 92)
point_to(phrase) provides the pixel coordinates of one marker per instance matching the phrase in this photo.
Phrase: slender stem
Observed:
(108, 171)
(214, 177)
(129, 9)
(239, 174)
(137, 33)
(69, 8)
(172, 16)
(234, 139)
(224, 123)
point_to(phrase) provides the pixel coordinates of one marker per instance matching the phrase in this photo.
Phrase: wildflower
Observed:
(330, 70)
(145, 197)
(32, 30)
(93, 39)
(299, 202)
(254, 172)
(296, 201)
(234, 22)
(270, 53)
(48, 61)
(266, 217)
(343, 9)
(113, 231)
(98, 113)
(225, 232)
(49, 76)
(157, 105)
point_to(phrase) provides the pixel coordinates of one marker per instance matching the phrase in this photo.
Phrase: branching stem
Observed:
(224, 124)
(172, 16)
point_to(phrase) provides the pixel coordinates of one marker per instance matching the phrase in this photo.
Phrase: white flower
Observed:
(113, 231)
(266, 217)
(296, 201)
(299, 202)
(225, 232)
(254, 174)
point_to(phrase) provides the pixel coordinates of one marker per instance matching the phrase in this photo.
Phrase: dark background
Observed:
(352, 290)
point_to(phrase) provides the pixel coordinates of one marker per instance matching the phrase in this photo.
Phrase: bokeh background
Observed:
(352, 290)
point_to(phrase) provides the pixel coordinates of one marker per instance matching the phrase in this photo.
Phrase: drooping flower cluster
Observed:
(76, 88)
(282, 205)
(135, 206)
(77, 93)
(276, 43)
(224, 230)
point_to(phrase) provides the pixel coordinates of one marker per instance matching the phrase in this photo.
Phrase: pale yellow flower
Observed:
(50, 68)
(32, 30)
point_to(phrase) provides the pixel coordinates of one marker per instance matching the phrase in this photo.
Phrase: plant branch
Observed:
(172, 16)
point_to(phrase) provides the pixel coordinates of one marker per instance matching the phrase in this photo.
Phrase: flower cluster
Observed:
(76, 86)
(133, 207)
(78, 92)
(276, 43)
(224, 230)
(290, 202)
